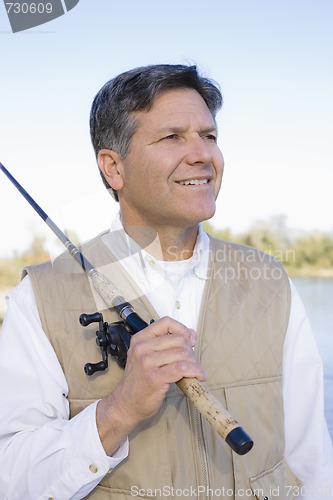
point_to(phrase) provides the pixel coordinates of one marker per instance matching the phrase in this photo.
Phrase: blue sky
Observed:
(273, 60)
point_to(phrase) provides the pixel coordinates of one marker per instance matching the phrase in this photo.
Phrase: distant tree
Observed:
(314, 250)
(11, 268)
(223, 234)
(36, 252)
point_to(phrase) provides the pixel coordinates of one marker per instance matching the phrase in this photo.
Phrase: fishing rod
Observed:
(209, 406)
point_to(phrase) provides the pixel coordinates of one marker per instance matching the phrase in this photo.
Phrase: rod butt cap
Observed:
(239, 441)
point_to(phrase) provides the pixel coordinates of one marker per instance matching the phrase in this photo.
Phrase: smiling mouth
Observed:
(193, 182)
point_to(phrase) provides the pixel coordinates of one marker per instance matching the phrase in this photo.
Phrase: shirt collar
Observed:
(124, 247)
(201, 254)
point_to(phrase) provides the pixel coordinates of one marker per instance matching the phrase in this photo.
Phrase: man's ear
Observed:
(109, 162)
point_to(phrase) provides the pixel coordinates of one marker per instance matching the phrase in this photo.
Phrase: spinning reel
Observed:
(111, 338)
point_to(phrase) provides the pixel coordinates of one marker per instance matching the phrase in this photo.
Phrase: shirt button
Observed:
(177, 304)
(93, 468)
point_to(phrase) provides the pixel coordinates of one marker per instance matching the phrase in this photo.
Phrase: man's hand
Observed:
(159, 355)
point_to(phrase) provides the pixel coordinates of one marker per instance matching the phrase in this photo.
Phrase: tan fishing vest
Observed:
(242, 326)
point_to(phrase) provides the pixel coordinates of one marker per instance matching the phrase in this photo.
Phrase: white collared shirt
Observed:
(174, 288)
(46, 455)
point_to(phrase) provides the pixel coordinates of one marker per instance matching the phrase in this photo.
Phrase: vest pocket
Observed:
(268, 484)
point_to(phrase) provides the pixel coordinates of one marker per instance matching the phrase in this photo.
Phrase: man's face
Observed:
(173, 172)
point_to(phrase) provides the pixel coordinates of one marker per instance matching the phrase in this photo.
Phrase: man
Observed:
(119, 434)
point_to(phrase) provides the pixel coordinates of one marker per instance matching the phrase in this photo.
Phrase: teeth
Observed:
(193, 182)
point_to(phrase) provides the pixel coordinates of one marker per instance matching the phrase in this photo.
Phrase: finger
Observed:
(146, 347)
(158, 356)
(169, 326)
(174, 372)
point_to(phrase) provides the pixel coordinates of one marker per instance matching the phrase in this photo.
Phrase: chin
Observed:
(207, 214)
(188, 216)
(200, 218)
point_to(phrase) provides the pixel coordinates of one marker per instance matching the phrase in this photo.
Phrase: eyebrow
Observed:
(180, 130)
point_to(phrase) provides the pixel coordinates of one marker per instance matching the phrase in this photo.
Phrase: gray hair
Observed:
(112, 123)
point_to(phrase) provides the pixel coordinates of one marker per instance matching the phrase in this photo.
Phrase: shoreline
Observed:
(308, 272)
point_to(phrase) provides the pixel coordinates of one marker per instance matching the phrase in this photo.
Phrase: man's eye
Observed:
(170, 137)
(211, 137)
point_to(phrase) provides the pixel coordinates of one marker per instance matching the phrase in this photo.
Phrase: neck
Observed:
(164, 243)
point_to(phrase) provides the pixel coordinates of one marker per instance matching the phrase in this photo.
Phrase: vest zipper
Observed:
(197, 419)
(204, 488)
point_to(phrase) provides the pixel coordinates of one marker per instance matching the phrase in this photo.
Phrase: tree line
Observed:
(301, 253)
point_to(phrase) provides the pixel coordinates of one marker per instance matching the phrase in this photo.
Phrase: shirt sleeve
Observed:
(43, 454)
(308, 448)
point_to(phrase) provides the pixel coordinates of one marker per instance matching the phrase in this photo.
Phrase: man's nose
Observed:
(200, 150)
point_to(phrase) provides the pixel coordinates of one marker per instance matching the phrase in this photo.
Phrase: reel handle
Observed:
(91, 368)
(87, 319)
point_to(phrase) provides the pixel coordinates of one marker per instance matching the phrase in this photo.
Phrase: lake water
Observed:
(317, 295)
